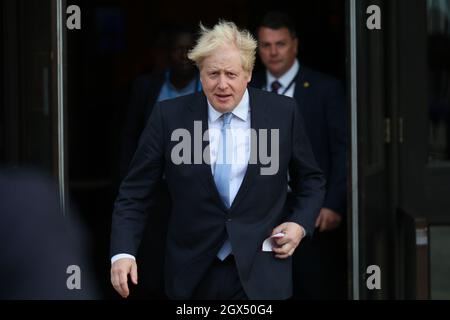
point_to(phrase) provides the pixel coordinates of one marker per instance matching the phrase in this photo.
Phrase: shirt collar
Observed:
(241, 110)
(286, 78)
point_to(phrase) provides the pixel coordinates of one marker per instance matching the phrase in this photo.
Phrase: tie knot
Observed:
(227, 118)
(275, 86)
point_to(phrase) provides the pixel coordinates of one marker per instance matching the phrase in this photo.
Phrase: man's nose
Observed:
(223, 84)
(273, 50)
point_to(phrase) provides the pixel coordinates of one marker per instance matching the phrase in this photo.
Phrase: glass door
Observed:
(29, 108)
(401, 171)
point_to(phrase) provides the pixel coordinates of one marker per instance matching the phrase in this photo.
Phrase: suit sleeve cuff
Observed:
(122, 256)
(304, 232)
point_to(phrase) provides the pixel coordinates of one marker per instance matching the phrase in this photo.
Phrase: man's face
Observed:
(277, 49)
(223, 79)
(179, 61)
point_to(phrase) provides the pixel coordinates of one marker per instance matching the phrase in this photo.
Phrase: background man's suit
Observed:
(320, 265)
(200, 222)
(144, 94)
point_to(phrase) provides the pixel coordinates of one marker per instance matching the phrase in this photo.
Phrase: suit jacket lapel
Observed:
(199, 110)
(258, 116)
(302, 85)
(259, 80)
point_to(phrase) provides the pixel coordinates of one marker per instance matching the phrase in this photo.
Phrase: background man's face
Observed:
(223, 79)
(277, 49)
(178, 54)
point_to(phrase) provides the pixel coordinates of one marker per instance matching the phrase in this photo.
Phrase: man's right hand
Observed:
(120, 270)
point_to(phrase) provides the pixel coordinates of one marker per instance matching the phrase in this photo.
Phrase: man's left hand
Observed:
(286, 245)
(328, 220)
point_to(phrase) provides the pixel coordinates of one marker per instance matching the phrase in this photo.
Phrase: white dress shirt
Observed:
(284, 80)
(240, 132)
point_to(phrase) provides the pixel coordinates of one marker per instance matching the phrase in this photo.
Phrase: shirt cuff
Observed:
(122, 256)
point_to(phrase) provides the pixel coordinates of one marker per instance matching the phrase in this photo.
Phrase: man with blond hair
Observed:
(229, 237)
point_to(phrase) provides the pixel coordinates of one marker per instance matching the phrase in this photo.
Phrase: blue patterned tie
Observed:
(222, 173)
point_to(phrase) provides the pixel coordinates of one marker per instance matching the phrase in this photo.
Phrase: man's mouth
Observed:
(223, 97)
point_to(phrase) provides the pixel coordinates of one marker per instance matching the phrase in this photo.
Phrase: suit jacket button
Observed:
(229, 220)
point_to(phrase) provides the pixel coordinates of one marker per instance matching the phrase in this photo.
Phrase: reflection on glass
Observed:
(439, 79)
(439, 262)
(28, 112)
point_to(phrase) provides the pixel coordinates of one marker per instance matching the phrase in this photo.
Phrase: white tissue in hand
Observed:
(269, 243)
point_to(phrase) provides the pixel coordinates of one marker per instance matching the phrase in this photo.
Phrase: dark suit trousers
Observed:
(221, 282)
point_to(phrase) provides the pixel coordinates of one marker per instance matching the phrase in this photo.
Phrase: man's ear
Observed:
(296, 44)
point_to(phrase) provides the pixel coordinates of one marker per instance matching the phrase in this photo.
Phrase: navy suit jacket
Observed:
(199, 221)
(321, 100)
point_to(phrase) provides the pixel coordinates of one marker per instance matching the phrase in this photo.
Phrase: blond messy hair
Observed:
(222, 34)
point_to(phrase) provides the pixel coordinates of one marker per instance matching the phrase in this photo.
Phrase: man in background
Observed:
(320, 262)
(178, 79)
